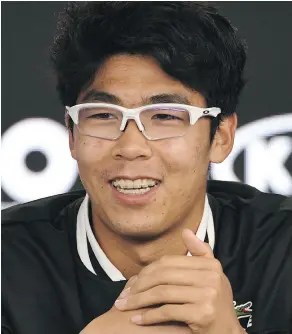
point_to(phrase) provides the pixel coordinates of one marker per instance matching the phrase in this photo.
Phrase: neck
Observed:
(130, 255)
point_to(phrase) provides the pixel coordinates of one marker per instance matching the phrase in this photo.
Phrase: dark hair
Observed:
(191, 41)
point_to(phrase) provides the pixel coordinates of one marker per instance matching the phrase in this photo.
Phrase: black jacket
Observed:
(46, 289)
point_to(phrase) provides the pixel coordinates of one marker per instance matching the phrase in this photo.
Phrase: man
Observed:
(150, 91)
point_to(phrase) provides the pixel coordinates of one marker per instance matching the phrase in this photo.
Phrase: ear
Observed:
(224, 139)
(71, 137)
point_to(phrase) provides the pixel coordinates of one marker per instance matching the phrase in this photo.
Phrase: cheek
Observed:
(181, 155)
(89, 150)
(92, 156)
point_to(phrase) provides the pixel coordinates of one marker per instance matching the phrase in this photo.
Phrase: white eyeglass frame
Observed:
(195, 113)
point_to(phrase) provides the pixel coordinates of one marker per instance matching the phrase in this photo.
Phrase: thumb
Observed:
(195, 246)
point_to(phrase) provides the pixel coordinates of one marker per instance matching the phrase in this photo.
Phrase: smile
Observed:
(135, 187)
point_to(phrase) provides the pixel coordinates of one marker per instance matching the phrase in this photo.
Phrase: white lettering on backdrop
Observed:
(51, 139)
(267, 147)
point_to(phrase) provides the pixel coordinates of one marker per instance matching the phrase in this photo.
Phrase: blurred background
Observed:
(35, 156)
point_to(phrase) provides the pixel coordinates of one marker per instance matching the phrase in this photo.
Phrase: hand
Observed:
(115, 322)
(192, 290)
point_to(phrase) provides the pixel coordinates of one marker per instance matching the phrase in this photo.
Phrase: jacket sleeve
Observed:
(272, 313)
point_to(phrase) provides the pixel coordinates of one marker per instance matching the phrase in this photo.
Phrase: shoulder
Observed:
(250, 218)
(44, 210)
(39, 210)
(34, 233)
(38, 220)
(245, 200)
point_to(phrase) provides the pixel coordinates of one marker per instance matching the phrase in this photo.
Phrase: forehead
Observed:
(133, 78)
(128, 69)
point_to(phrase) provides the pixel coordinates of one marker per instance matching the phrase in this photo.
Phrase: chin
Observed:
(144, 231)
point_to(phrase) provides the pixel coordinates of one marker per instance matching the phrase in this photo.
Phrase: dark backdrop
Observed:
(35, 157)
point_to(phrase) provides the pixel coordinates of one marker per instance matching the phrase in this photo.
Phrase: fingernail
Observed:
(137, 319)
(124, 293)
(120, 303)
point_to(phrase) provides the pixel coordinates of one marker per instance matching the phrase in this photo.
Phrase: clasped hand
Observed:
(186, 289)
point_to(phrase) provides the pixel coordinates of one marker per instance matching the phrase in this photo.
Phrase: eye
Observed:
(166, 117)
(103, 115)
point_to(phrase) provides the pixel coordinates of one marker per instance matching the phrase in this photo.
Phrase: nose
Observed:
(132, 144)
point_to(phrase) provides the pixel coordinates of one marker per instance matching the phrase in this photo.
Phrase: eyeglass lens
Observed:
(105, 122)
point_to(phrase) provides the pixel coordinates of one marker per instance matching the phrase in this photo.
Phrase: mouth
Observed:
(139, 186)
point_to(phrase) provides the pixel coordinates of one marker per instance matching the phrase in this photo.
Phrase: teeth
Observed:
(136, 184)
(134, 191)
(128, 184)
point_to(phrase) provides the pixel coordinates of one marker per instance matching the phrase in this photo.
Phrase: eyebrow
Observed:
(94, 95)
(105, 97)
(168, 98)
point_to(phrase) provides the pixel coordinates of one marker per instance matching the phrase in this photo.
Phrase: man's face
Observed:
(179, 166)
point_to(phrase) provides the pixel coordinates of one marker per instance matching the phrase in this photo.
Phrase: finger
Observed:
(128, 285)
(181, 262)
(195, 246)
(167, 294)
(131, 281)
(172, 276)
(195, 317)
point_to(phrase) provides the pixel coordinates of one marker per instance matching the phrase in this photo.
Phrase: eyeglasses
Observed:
(155, 121)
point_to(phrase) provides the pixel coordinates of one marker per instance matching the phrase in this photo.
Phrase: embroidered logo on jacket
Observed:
(244, 311)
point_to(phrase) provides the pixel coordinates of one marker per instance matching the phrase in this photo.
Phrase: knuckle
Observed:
(217, 265)
(165, 312)
(208, 313)
(159, 293)
(164, 275)
(216, 279)
(153, 278)
(211, 294)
